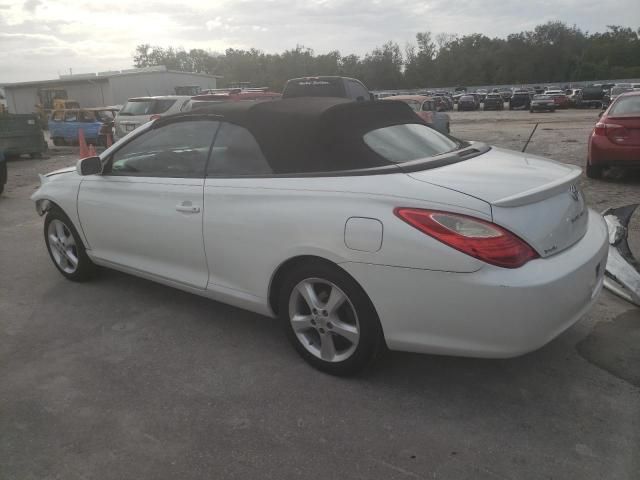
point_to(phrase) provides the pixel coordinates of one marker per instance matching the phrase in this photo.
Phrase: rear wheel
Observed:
(65, 247)
(3, 176)
(594, 171)
(35, 155)
(329, 319)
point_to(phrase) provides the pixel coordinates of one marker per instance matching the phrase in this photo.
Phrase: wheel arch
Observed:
(281, 272)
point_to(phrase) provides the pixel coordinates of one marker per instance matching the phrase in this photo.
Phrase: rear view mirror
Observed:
(89, 166)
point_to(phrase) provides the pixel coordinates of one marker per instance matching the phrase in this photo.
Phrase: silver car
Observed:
(140, 110)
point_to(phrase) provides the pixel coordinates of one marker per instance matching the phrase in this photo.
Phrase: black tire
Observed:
(58, 142)
(3, 176)
(35, 155)
(531, 110)
(371, 340)
(594, 171)
(85, 268)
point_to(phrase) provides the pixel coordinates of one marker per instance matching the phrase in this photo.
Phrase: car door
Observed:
(236, 212)
(145, 211)
(70, 126)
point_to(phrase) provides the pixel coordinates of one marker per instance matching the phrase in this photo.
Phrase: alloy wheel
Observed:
(324, 320)
(62, 246)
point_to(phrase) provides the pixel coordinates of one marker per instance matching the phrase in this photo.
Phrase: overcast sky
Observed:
(40, 39)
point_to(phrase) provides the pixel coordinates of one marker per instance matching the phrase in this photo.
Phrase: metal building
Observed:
(104, 88)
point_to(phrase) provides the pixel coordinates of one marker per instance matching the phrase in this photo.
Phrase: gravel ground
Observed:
(123, 378)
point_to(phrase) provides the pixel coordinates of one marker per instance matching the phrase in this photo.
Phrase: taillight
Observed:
(480, 239)
(610, 130)
(154, 117)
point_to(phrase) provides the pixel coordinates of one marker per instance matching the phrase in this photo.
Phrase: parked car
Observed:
(559, 97)
(342, 87)
(468, 102)
(542, 103)
(521, 100)
(21, 134)
(593, 96)
(96, 124)
(574, 95)
(235, 95)
(493, 101)
(353, 222)
(426, 108)
(619, 90)
(140, 110)
(615, 139)
(481, 93)
(506, 94)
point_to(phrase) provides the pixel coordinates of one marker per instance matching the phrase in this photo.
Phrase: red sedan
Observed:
(615, 140)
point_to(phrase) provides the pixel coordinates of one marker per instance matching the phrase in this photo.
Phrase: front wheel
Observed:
(65, 247)
(329, 319)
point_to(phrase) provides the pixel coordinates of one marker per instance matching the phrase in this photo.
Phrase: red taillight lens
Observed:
(483, 240)
(154, 117)
(611, 130)
(600, 129)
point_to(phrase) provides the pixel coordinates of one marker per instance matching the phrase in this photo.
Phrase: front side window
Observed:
(407, 142)
(237, 153)
(176, 150)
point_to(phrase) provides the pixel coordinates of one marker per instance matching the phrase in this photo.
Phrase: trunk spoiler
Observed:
(541, 192)
(622, 273)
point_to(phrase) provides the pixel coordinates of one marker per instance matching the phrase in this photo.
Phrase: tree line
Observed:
(552, 52)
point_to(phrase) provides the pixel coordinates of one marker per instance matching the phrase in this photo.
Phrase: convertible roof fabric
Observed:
(314, 134)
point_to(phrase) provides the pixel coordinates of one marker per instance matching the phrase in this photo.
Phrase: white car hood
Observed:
(61, 170)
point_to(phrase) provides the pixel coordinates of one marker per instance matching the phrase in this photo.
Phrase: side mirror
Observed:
(89, 166)
(600, 114)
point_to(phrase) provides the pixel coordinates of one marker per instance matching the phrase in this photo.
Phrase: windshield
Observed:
(147, 106)
(626, 106)
(415, 106)
(407, 142)
(541, 97)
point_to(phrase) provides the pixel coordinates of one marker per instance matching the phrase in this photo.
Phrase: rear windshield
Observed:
(626, 106)
(541, 97)
(146, 107)
(619, 90)
(407, 142)
(309, 87)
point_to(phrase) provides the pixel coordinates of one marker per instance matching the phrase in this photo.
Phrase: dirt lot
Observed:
(122, 378)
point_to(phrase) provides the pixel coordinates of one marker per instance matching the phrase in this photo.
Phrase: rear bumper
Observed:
(606, 153)
(494, 312)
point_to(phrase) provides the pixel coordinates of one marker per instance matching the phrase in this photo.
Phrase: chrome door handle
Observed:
(187, 207)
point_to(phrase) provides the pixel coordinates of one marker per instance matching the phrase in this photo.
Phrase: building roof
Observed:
(101, 76)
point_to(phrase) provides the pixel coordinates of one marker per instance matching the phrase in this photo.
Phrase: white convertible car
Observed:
(355, 223)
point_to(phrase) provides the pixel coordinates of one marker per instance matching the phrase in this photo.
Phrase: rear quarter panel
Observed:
(252, 226)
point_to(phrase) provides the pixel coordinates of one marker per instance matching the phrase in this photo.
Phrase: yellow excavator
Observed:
(52, 99)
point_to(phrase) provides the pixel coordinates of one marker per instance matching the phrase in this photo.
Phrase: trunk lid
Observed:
(623, 130)
(535, 198)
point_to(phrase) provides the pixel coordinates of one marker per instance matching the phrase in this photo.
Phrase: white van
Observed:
(140, 110)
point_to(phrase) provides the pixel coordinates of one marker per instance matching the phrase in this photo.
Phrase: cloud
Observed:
(31, 5)
(38, 39)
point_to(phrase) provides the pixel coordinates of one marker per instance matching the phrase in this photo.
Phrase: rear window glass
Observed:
(407, 142)
(314, 88)
(626, 105)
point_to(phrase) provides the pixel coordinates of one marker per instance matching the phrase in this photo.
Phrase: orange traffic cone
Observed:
(92, 151)
(84, 151)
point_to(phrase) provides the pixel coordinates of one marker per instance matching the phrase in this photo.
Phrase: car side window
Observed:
(176, 150)
(427, 106)
(236, 153)
(357, 91)
(71, 116)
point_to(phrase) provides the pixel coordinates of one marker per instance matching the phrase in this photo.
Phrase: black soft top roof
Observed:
(315, 134)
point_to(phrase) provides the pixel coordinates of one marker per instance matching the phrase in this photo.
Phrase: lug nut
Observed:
(313, 322)
(329, 325)
(315, 311)
(321, 330)
(324, 312)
